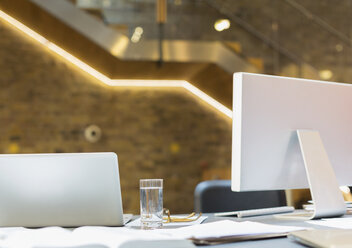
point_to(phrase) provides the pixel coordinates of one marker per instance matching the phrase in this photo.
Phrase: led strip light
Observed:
(114, 82)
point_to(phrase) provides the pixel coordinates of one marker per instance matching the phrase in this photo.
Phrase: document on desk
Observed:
(342, 223)
(88, 237)
(228, 231)
(124, 237)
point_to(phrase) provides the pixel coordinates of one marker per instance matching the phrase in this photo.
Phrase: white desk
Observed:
(266, 243)
(103, 238)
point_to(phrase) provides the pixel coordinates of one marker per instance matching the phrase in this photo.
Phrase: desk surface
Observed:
(265, 243)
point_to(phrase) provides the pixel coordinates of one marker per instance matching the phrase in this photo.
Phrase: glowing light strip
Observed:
(146, 83)
(114, 82)
(101, 77)
(211, 101)
(23, 28)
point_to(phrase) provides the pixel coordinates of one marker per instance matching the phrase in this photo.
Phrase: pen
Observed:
(257, 212)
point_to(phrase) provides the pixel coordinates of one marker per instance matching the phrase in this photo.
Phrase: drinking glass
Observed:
(151, 199)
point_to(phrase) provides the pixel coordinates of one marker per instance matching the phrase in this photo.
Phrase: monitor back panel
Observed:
(267, 111)
(60, 190)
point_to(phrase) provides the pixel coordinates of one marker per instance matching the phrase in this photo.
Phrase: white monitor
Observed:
(266, 147)
(65, 189)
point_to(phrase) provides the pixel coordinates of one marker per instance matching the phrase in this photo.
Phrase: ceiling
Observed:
(297, 38)
(280, 33)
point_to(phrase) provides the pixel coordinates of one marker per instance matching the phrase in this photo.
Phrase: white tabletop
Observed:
(266, 243)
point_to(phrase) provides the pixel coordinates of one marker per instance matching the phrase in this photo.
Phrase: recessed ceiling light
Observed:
(138, 31)
(222, 24)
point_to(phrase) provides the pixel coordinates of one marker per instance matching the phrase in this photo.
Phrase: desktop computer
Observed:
(291, 133)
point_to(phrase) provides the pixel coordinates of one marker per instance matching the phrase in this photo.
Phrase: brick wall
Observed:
(46, 103)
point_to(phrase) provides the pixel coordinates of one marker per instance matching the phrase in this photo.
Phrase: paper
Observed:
(111, 237)
(114, 237)
(6, 231)
(342, 223)
(310, 207)
(226, 228)
(127, 218)
(26, 238)
(137, 222)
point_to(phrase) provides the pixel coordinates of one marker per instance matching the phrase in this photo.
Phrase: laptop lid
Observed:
(63, 189)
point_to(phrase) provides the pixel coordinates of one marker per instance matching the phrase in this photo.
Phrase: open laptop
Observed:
(64, 189)
(326, 238)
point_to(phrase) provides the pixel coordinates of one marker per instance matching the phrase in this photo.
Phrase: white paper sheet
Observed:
(113, 237)
(226, 228)
(342, 223)
(61, 237)
(6, 231)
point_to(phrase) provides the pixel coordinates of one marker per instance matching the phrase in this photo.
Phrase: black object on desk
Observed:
(216, 196)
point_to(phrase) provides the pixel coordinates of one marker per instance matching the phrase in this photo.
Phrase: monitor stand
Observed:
(326, 195)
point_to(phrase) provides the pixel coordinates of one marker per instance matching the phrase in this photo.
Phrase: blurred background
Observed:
(152, 79)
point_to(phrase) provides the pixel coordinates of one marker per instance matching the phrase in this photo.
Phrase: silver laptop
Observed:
(65, 189)
(324, 238)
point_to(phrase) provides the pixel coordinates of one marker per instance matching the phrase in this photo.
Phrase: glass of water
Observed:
(151, 191)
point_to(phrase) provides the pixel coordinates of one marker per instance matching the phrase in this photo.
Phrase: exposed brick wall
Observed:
(46, 103)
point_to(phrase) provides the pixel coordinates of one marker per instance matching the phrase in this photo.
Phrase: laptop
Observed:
(63, 189)
(324, 238)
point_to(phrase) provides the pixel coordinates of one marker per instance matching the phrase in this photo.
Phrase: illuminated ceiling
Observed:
(284, 34)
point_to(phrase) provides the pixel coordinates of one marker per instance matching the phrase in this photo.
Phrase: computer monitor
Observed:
(285, 132)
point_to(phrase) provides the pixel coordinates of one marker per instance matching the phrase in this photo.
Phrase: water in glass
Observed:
(151, 207)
